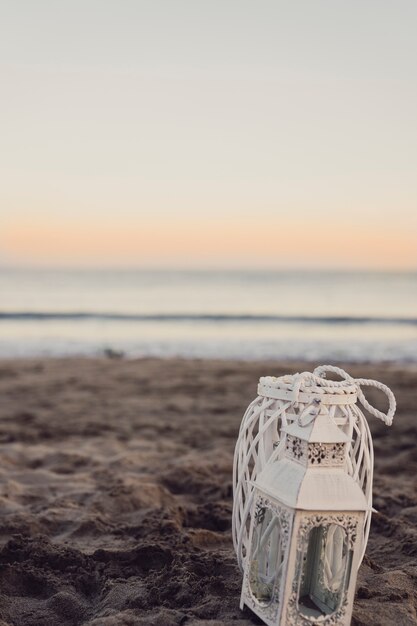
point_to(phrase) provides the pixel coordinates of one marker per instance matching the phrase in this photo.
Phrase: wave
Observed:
(199, 317)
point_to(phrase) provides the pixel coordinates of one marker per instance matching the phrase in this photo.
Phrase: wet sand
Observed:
(115, 498)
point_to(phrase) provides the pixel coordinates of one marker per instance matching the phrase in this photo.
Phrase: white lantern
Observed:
(302, 497)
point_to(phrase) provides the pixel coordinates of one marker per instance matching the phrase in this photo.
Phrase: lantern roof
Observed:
(320, 430)
(311, 488)
(312, 473)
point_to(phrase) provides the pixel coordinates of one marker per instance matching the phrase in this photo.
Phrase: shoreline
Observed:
(113, 355)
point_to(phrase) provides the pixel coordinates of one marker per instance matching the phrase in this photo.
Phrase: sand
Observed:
(116, 493)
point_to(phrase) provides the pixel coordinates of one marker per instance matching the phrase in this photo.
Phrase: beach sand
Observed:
(116, 493)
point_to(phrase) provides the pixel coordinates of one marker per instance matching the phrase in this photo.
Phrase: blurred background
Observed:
(223, 179)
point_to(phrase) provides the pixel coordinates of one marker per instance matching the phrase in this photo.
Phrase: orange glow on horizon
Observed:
(204, 241)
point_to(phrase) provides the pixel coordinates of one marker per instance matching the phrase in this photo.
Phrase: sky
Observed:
(217, 133)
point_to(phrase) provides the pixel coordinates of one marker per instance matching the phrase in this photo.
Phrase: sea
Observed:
(223, 314)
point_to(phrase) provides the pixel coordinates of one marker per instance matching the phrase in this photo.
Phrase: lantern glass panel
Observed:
(267, 556)
(326, 567)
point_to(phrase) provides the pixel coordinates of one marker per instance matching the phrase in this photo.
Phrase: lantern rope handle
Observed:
(387, 418)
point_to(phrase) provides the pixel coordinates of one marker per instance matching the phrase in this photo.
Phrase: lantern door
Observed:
(322, 570)
(265, 571)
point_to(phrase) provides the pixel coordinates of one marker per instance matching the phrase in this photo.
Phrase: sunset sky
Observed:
(219, 133)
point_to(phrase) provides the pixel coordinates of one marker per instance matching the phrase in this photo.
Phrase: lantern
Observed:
(302, 497)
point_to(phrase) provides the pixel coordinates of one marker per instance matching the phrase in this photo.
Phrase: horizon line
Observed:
(205, 268)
